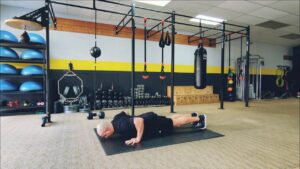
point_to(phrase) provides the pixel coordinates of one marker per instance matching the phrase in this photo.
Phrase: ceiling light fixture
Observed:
(155, 2)
(207, 20)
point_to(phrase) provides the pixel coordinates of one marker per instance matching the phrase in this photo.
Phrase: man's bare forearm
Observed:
(139, 125)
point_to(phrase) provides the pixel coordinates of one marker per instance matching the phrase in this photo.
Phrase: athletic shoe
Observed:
(202, 122)
(194, 114)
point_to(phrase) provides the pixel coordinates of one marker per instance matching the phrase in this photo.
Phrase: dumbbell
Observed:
(194, 114)
(91, 115)
(46, 119)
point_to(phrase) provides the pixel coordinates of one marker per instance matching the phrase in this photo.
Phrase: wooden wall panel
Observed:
(78, 26)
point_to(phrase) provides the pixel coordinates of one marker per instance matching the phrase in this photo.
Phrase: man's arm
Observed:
(139, 125)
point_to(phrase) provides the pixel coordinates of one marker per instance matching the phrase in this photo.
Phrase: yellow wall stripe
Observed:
(62, 64)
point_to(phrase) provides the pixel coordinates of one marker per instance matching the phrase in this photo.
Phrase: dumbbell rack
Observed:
(19, 95)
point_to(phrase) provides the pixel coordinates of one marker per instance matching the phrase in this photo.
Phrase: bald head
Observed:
(105, 129)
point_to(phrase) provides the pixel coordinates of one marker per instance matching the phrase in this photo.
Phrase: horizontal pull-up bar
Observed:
(122, 21)
(147, 9)
(234, 32)
(149, 36)
(191, 41)
(228, 40)
(102, 10)
(198, 33)
(165, 20)
(123, 26)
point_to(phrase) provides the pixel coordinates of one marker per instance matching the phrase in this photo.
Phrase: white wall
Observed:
(67, 45)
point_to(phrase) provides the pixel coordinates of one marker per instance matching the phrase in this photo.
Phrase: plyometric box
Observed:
(186, 95)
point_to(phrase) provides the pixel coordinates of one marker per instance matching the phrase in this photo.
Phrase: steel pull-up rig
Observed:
(226, 35)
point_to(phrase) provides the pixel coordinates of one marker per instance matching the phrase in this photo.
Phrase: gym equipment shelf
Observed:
(10, 109)
(19, 94)
(23, 61)
(22, 76)
(23, 46)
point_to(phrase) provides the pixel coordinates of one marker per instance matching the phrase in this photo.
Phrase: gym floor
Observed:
(263, 136)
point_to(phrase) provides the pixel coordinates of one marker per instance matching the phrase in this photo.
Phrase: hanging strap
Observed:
(145, 74)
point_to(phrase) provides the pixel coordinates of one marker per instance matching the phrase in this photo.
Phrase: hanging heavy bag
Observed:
(200, 68)
(168, 39)
(162, 41)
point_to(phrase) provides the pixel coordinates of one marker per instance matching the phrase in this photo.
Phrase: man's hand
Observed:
(132, 141)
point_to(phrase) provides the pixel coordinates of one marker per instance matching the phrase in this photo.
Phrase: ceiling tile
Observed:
(263, 2)
(292, 29)
(213, 3)
(268, 13)
(289, 19)
(222, 13)
(240, 6)
(183, 6)
(251, 20)
(287, 6)
(8, 3)
(30, 4)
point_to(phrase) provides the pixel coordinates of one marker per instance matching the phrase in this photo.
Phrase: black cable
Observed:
(145, 44)
(95, 62)
(162, 49)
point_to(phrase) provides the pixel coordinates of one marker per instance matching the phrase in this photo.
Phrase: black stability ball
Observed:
(95, 52)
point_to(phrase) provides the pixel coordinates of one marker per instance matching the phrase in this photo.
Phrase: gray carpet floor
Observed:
(262, 136)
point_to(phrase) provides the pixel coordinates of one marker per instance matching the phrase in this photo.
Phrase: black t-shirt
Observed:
(123, 125)
(153, 125)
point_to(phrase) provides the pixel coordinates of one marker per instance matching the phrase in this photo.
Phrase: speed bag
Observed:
(200, 68)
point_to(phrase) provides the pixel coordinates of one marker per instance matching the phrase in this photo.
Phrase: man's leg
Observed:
(181, 120)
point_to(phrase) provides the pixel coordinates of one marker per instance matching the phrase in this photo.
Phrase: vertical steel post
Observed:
(132, 57)
(46, 87)
(172, 61)
(229, 50)
(222, 68)
(247, 68)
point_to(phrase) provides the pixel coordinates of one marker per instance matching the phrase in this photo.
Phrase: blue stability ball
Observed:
(7, 86)
(36, 38)
(32, 70)
(32, 54)
(30, 86)
(8, 69)
(6, 36)
(6, 52)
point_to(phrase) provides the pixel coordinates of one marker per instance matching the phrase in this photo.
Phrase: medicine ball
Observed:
(32, 70)
(30, 86)
(8, 69)
(6, 36)
(32, 54)
(7, 86)
(95, 52)
(6, 52)
(36, 38)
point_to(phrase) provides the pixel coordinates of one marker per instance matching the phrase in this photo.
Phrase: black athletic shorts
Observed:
(156, 126)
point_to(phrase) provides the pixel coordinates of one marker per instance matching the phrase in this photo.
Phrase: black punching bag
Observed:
(200, 67)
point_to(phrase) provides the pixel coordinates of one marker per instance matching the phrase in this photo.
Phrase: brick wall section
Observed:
(72, 25)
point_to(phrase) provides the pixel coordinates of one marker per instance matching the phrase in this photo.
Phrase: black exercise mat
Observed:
(116, 145)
